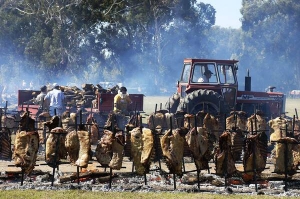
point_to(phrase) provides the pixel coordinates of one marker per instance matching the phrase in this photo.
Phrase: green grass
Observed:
(33, 194)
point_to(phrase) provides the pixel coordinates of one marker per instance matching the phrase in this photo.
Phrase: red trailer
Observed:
(104, 103)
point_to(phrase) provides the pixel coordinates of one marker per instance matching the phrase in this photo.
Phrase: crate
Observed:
(105, 102)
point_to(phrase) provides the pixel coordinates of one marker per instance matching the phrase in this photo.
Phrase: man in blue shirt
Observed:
(56, 98)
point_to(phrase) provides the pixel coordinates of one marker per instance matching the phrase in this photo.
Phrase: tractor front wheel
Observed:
(173, 103)
(202, 100)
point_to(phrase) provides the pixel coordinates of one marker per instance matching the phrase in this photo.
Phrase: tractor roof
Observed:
(211, 60)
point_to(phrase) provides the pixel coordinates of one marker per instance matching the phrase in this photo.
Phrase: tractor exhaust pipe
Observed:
(248, 82)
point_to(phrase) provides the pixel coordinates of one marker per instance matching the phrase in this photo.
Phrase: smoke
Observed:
(156, 69)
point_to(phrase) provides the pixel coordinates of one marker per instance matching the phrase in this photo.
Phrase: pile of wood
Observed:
(84, 97)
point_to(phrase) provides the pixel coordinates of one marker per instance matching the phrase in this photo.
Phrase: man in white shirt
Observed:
(206, 76)
(56, 98)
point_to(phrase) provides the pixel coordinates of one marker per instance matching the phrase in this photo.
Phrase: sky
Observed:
(227, 12)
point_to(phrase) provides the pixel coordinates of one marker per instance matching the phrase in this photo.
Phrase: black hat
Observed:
(123, 89)
(43, 88)
(208, 72)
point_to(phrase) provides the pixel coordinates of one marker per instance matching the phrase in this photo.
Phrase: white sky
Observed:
(227, 12)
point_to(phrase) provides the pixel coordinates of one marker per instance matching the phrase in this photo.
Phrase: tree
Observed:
(88, 41)
(270, 40)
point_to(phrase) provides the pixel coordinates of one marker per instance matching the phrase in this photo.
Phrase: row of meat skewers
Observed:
(165, 135)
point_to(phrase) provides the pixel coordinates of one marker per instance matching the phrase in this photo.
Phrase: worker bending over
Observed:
(121, 101)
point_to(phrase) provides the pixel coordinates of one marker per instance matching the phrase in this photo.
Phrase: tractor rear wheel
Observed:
(173, 103)
(202, 100)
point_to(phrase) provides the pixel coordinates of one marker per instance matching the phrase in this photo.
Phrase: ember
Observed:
(163, 156)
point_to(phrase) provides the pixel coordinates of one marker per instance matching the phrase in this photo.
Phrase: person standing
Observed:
(121, 101)
(40, 100)
(56, 98)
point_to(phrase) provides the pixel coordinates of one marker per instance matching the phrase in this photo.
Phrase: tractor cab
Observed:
(211, 86)
(215, 75)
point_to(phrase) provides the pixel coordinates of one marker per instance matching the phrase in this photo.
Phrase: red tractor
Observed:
(212, 86)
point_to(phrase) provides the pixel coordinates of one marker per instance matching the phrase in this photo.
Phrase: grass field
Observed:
(32, 194)
(291, 105)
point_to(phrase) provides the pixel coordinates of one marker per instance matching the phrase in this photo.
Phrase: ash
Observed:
(156, 181)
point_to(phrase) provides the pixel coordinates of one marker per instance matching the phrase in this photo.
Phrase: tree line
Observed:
(145, 41)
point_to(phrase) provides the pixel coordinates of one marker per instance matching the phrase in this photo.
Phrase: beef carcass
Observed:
(189, 121)
(93, 129)
(296, 147)
(257, 123)
(103, 151)
(72, 146)
(179, 119)
(68, 123)
(9, 122)
(26, 123)
(278, 127)
(135, 121)
(5, 144)
(84, 148)
(208, 127)
(117, 151)
(142, 142)
(211, 124)
(236, 123)
(296, 153)
(237, 141)
(172, 145)
(136, 140)
(55, 146)
(256, 151)
(53, 123)
(42, 117)
(158, 120)
(26, 144)
(236, 120)
(224, 159)
(148, 143)
(296, 129)
(25, 150)
(116, 122)
(284, 156)
(203, 119)
(127, 147)
(40, 129)
(198, 144)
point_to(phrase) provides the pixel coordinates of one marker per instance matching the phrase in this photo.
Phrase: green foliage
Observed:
(271, 42)
(125, 40)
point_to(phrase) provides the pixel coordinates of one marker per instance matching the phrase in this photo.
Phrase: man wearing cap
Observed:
(121, 101)
(206, 76)
(56, 98)
(44, 104)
